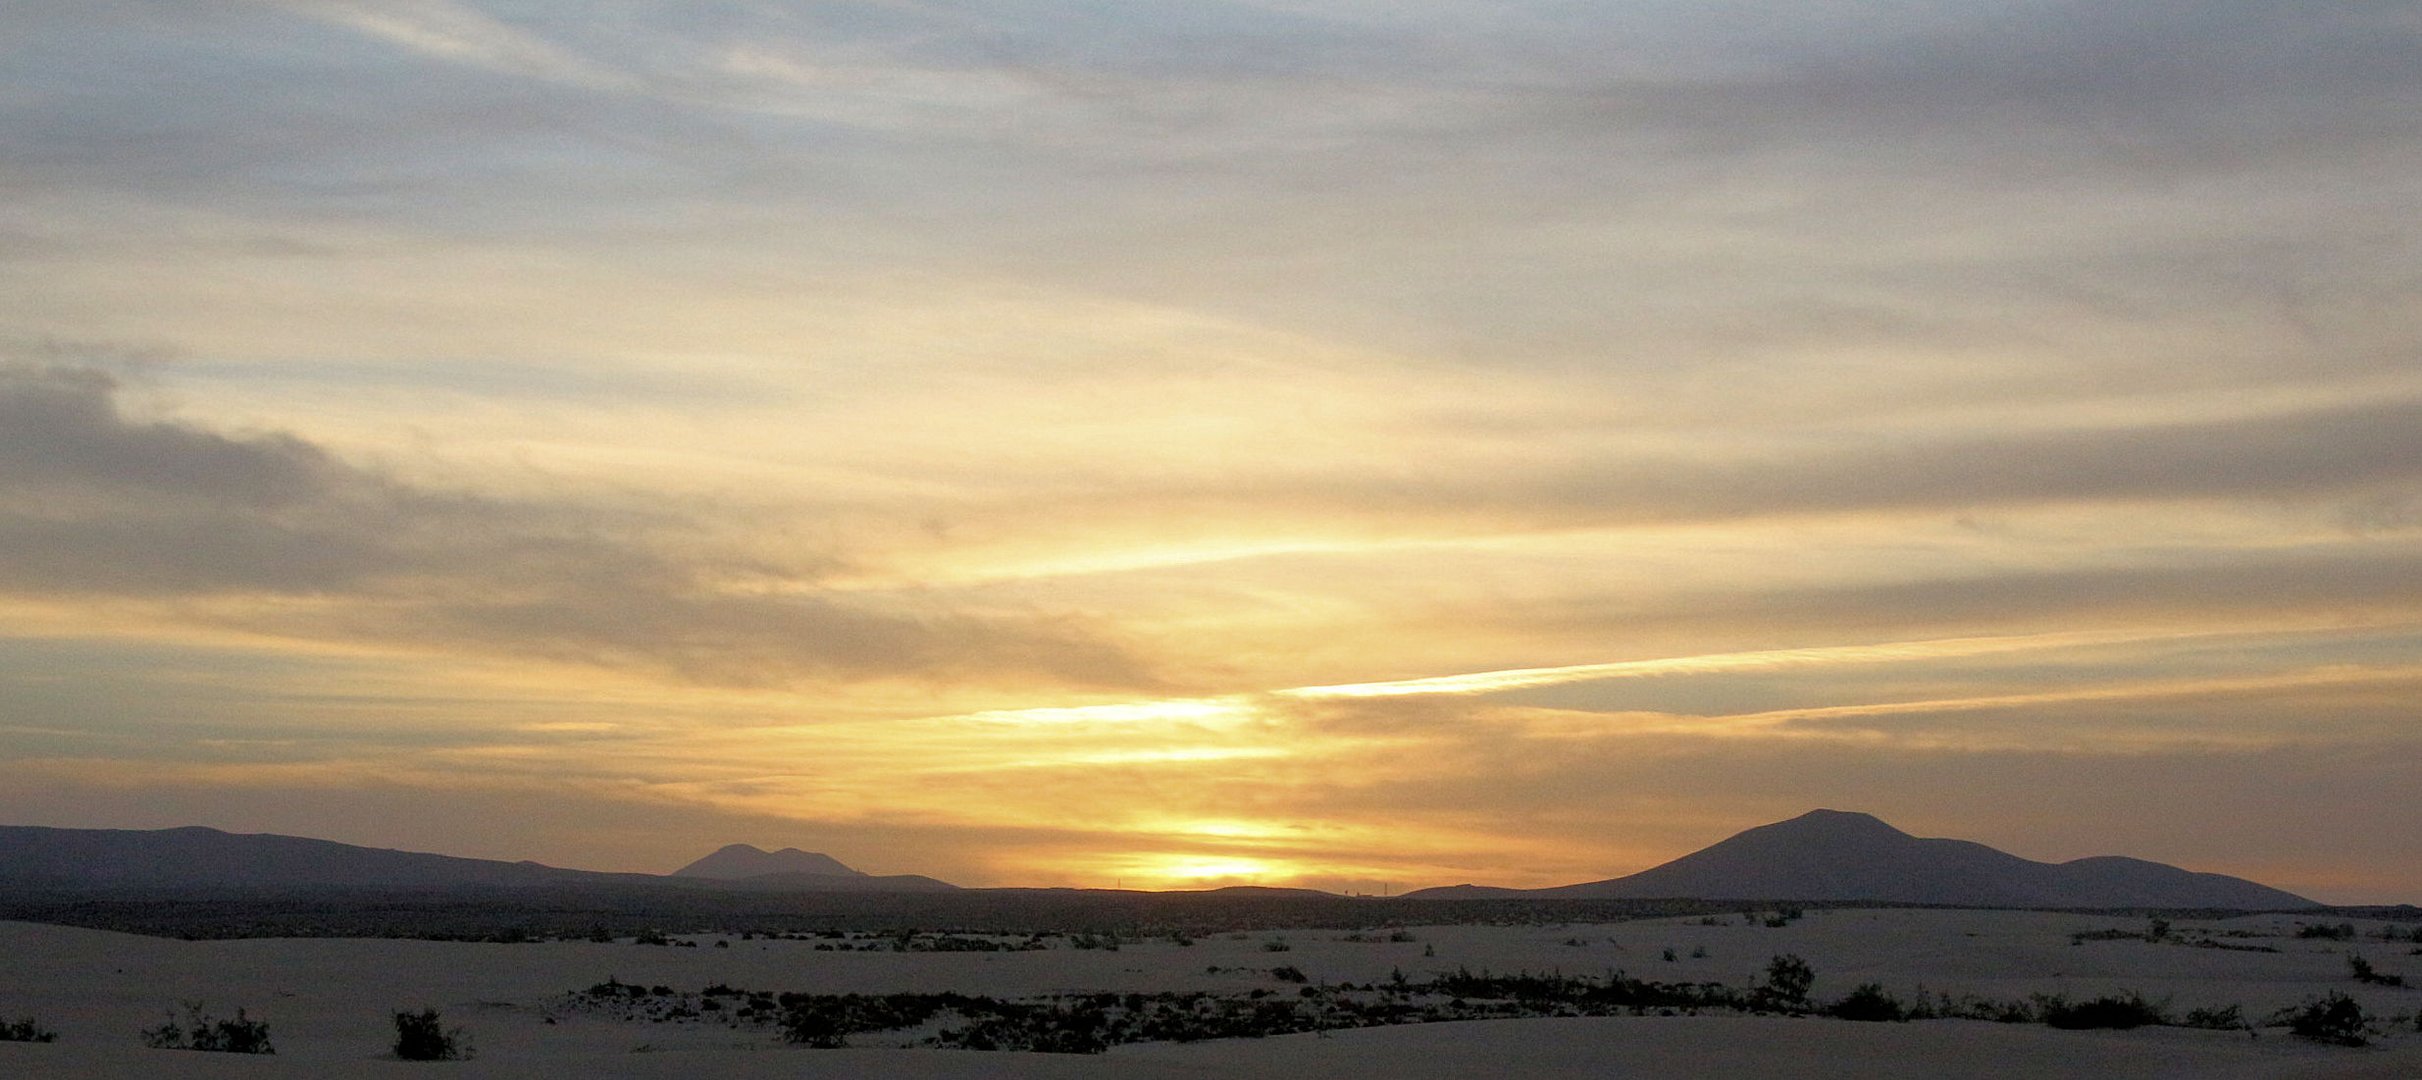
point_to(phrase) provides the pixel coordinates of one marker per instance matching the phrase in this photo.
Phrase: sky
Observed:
(1177, 443)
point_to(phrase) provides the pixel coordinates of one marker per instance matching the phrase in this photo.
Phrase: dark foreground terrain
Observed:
(540, 913)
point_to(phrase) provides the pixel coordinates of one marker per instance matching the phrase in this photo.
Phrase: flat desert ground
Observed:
(328, 1002)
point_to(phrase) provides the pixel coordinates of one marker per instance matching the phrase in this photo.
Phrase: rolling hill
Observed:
(197, 857)
(733, 862)
(1838, 855)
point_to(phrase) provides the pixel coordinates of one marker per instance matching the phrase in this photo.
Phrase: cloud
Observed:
(95, 503)
(1543, 476)
(61, 436)
(464, 34)
(2326, 583)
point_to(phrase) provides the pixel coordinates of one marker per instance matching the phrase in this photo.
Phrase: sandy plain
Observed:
(328, 1002)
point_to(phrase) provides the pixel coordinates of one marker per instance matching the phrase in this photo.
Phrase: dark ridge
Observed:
(1837, 855)
(195, 857)
(736, 862)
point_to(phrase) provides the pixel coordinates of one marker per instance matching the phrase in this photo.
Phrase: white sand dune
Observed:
(329, 1002)
(1685, 1048)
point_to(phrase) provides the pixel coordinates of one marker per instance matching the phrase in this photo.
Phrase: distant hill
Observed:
(735, 861)
(746, 866)
(1836, 855)
(196, 857)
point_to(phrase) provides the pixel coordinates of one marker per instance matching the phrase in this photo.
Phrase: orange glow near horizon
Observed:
(1198, 869)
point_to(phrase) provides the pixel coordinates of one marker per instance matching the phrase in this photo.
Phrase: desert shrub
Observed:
(1276, 945)
(1868, 1003)
(2225, 1018)
(2335, 1019)
(26, 1030)
(1788, 980)
(2108, 1011)
(2326, 932)
(819, 1029)
(2364, 973)
(1974, 1007)
(826, 1021)
(202, 1031)
(420, 1037)
(1289, 973)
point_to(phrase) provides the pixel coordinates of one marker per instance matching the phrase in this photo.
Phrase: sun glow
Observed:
(1231, 830)
(1194, 711)
(1205, 869)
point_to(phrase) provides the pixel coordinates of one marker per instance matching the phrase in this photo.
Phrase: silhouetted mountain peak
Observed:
(735, 862)
(197, 856)
(1830, 826)
(1843, 855)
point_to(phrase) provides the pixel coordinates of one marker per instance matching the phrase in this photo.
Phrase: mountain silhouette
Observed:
(197, 857)
(733, 862)
(1839, 855)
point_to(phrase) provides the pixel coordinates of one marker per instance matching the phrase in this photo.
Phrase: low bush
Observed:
(2335, 1019)
(2364, 973)
(1788, 980)
(1868, 1003)
(2220, 1018)
(420, 1036)
(2108, 1011)
(26, 1030)
(202, 1031)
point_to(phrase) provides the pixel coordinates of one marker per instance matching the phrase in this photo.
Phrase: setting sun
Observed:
(1194, 870)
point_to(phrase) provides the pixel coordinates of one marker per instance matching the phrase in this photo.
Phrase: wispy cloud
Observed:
(1489, 682)
(464, 34)
(270, 533)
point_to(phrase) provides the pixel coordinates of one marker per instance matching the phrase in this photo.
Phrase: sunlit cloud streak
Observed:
(1497, 681)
